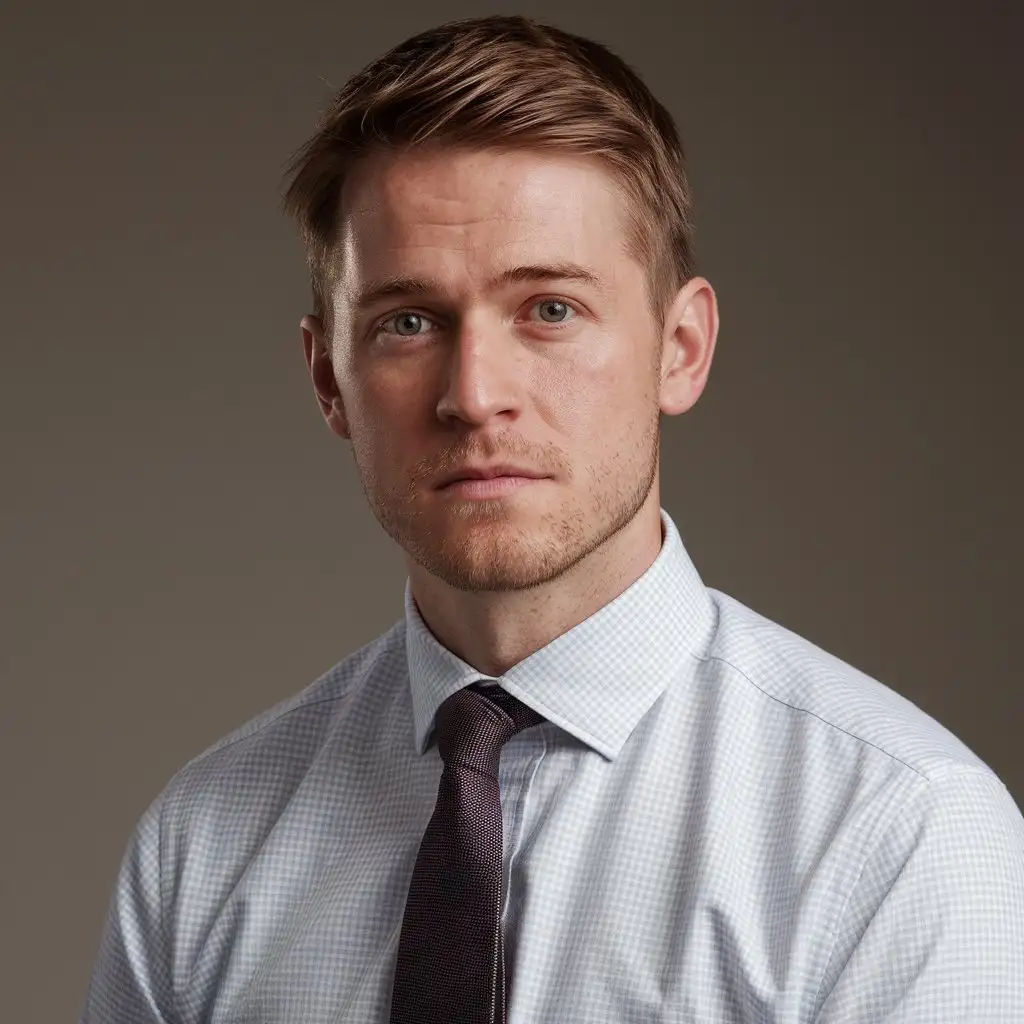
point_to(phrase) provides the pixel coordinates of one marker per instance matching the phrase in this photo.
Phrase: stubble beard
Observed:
(486, 544)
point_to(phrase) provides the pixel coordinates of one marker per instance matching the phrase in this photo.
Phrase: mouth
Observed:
(490, 487)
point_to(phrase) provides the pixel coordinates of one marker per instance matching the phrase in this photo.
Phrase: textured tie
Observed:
(451, 957)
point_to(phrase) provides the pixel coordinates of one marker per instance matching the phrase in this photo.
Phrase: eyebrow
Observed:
(404, 287)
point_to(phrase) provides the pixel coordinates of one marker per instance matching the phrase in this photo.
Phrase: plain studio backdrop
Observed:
(184, 542)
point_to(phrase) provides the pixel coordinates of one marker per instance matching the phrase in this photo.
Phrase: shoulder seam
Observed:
(831, 725)
(216, 747)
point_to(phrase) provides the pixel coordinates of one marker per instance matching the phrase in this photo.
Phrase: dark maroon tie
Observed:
(451, 957)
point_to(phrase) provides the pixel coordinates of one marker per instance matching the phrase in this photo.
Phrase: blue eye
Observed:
(554, 302)
(404, 316)
(409, 318)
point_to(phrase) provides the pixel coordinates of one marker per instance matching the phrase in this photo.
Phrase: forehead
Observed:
(470, 212)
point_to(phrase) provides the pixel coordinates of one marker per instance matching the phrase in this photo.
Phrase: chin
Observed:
(484, 549)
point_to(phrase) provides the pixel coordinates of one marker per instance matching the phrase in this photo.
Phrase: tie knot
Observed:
(474, 723)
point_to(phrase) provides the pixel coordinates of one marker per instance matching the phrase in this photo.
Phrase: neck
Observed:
(494, 630)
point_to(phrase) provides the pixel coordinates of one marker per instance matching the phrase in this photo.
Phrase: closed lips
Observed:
(488, 473)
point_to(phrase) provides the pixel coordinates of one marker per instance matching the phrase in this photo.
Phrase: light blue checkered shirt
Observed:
(718, 822)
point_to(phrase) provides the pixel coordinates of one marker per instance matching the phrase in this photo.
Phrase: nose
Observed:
(484, 376)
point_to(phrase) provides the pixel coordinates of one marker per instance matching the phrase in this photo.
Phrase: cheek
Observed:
(385, 399)
(396, 415)
(586, 396)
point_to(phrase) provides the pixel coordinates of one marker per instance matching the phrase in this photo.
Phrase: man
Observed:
(571, 784)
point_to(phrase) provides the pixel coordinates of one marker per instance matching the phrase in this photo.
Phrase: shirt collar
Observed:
(598, 679)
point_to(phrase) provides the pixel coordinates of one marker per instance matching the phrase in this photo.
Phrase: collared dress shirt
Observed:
(717, 821)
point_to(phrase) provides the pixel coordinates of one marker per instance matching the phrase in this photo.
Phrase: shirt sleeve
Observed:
(130, 981)
(933, 930)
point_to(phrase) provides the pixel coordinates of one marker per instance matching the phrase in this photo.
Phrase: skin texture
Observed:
(559, 375)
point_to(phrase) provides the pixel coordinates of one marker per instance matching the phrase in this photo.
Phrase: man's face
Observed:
(555, 374)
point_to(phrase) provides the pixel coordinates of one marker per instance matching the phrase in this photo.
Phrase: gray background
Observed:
(184, 542)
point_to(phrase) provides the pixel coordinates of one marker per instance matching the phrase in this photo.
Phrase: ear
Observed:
(321, 370)
(687, 346)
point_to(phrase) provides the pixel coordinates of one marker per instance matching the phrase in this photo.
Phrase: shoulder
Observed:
(276, 746)
(772, 666)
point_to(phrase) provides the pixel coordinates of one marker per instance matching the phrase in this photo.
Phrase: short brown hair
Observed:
(503, 81)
